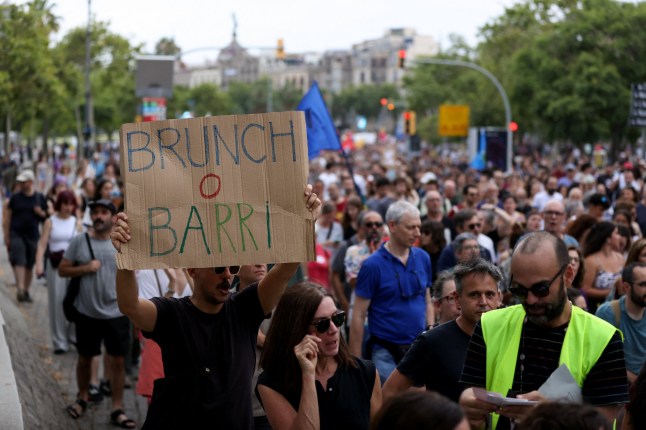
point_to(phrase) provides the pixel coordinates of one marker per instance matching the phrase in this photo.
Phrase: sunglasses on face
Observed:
(374, 224)
(474, 225)
(323, 324)
(539, 289)
(220, 270)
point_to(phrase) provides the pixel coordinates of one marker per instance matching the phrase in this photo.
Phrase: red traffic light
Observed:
(383, 101)
(407, 115)
(513, 126)
(402, 58)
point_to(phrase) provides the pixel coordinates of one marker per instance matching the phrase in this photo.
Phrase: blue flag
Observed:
(321, 133)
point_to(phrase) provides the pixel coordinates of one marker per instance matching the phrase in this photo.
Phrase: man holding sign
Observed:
(207, 341)
(211, 194)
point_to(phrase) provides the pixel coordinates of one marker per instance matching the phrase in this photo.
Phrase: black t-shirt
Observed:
(605, 384)
(345, 404)
(435, 359)
(223, 345)
(24, 221)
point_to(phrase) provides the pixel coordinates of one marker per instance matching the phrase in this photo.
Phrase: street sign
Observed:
(454, 120)
(638, 105)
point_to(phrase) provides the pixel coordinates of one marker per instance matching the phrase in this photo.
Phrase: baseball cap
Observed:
(105, 203)
(25, 175)
(599, 200)
(628, 165)
(570, 166)
(428, 177)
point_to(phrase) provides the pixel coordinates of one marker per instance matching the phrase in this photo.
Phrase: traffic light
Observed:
(280, 50)
(384, 101)
(402, 58)
(410, 123)
(391, 106)
(513, 126)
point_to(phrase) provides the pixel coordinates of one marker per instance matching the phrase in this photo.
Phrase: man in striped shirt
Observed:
(514, 350)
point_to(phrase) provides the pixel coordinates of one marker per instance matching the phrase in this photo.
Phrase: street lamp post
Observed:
(497, 84)
(87, 132)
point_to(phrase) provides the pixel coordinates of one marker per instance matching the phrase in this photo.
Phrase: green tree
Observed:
(364, 100)
(112, 74)
(167, 46)
(28, 79)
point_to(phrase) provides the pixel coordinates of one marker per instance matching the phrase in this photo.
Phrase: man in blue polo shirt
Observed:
(393, 290)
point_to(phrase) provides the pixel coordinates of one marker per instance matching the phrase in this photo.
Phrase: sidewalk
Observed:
(46, 382)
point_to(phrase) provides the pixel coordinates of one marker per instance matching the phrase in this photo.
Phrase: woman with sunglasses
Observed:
(310, 380)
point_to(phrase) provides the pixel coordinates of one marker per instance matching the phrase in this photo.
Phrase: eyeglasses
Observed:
(553, 213)
(450, 299)
(539, 289)
(409, 294)
(323, 324)
(474, 225)
(232, 269)
(374, 224)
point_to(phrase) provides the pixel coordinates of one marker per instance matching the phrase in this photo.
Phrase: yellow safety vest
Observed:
(585, 340)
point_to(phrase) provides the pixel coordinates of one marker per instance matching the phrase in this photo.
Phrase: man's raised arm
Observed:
(142, 312)
(272, 286)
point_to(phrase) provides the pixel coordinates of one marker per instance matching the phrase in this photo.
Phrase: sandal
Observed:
(125, 423)
(73, 411)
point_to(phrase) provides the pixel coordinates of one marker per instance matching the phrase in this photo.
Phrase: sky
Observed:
(303, 25)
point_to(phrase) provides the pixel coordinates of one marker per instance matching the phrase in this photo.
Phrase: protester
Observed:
(554, 219)
(627, 314)
(393, 289)
(420, 411)
(329, 233)
(637, 252)
(435, 359)
(445, 303)
(92, 257)
(350, 220)
(26, 209)
(564, 416)
(432, 240)
(58, 231)
(635, 417)
(310, 380)
(514, 350)
(215, 385)
(603, 263)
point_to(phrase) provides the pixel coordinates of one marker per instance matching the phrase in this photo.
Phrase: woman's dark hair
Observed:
(564, 416)
(626, 232)
(635, 250)
(436, 230)
(599, 234)
(577, 282)
(418, 410)
(99, 187)
(290, 323)
(355, 201)
(65, 196)
(582, 224)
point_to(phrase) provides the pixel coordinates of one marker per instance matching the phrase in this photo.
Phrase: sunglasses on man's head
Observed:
(232, 269)
(323, 324)
(539, 289)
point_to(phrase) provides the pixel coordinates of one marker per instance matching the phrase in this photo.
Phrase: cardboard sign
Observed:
(216, 191)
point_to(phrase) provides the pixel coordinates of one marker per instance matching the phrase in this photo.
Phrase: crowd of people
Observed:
(433, 283)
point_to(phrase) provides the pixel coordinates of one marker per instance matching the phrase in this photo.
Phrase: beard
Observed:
(551, 311)
(637, 299)
(101, 226)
